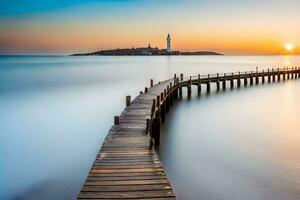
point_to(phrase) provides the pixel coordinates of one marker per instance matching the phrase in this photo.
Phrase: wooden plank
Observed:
(126, 188)
(128, 194)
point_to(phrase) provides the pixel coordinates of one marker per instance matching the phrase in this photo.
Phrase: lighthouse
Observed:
(169, 49)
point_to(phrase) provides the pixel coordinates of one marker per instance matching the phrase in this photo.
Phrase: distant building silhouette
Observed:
(169, 49)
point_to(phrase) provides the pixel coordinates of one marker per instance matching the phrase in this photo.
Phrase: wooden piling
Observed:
(269, 76)
(153, 108)
(167, 99)
(180, 91)
(128, 100)
(239, 80)
(256, 77)
(208, 84)
(278, 75)
(263, 76)
(148, 125)
(224, 82)
(231, 81)
(199, 85)
(181, 77)
(246, 79)
(162, 107)
(151, 82)
(189, 89)
(175, 78)
(251, 78)
(218, 82)
(171, 94)
(146, 90)
(116, 120)
(273, 75)
(156, 129)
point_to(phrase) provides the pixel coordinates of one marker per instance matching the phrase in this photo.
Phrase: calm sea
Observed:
(55, 112)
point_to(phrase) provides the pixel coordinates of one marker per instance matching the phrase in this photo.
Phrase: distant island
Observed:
(143, 51)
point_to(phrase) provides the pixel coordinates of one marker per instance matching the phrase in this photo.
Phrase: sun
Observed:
(289, 47)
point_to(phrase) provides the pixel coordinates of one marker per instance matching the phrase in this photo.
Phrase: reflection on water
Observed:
(240, 144)
(56, 111)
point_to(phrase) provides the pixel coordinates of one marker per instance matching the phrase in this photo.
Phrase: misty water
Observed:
(55, 112)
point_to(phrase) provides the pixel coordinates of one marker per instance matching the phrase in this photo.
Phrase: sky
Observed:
(225, 26)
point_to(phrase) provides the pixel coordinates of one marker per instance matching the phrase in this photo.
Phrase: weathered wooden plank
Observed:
(110, 171)
(129, 194)
(126, 188)
(128, 178)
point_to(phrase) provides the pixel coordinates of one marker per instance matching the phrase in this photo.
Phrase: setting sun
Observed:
(289, 47)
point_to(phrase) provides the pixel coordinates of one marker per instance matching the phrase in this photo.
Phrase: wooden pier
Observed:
(127, 166)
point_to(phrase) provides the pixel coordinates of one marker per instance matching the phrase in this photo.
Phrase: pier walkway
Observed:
(127, 166)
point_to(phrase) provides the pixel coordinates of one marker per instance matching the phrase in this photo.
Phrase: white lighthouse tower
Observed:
(169, 49)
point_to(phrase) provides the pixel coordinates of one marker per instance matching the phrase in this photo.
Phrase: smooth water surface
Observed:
(55, 112)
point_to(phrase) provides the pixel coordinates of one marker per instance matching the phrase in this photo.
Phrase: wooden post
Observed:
(156, 129)
(189, 88)
(146, 90)
(171, 95)
(151, 143)
(284, 76)
(231, 81)
(167, 99)
(175, 79)
(141, 92)
(246, 79)
(263, 76)
(116, 120)
(273, 75)
(269, 76)
(239, 80)
(256, 76)
(293, 73)
(208, 84)
(251, 78)
(163, 107)
(176, 93)
(288, 74)
(148, 125)
(278, 75)
(128, 100)
(162, 96)
(151, 83)
(158, 101)
(181, 77)
(180, 91)
(199, 85)
(163, 112)
(153, 108)
(218, 82)
(224, 82)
